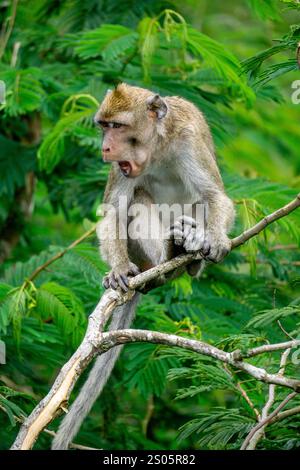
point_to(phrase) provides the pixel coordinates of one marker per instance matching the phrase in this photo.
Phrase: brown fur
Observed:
(183, 127)
(116, 101)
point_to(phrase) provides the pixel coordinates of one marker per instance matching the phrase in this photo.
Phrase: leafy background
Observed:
(236, 61)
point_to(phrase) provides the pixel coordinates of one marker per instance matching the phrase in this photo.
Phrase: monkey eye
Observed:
(111, 125)
(115, 125)
(101, 123)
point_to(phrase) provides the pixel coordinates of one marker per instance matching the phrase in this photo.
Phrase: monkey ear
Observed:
(157, 105)
(108, 91)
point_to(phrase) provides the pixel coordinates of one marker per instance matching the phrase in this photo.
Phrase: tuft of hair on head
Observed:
(115, 101)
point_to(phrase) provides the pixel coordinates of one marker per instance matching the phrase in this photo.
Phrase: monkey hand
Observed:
(118, 277)
(213, 246)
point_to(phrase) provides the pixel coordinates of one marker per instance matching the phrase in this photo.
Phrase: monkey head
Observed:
(131, 120)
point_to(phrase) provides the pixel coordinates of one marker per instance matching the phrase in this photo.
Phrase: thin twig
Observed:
(20, 419)
(148, 415)
(37, 271)
(7, 33)
(15, 53)
(284, 330)
(265, 417)
(267, 220)
(267, 420)
(292, 246)
(71, 445)
(286, 414)
(243, 392)
(266, 348)
(248, 399)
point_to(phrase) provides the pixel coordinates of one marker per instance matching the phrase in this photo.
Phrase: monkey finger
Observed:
(193, 241)
(188, 231)
(206, 248)
(215, 253)
(124, 278)
(175, 226)
(212, 257)
(134, 270)
(105, 282)
(224, 252)
(187, 221)
(218, 254)
(123, 282)
(113, 282)
(177, 233)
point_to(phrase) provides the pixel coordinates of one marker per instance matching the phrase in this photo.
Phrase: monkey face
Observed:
(121, 145)
(128, 117)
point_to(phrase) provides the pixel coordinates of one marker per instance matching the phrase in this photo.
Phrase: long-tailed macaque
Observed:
(162, 153)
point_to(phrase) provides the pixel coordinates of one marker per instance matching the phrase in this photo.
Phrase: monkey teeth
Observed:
(125, 167)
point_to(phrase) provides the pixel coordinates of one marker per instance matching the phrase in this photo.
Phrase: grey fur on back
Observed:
(122, 318)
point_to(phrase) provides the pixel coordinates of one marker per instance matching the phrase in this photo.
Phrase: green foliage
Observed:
(24, 92)
(14, 169)
(57, 65)
(12, 410)
(288, 42)
(217, 429)
(59, 303)
(78, 109)
(267, 317)
(265, 9)
(211, 377)
(109, 41)
(146, 370)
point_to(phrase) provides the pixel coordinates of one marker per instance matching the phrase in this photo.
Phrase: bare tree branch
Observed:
(95, 340)
(286, 414)
(266, 348)
(114, 338)
(262, 423)
(265, 417)
(267, 220)
(182, 260)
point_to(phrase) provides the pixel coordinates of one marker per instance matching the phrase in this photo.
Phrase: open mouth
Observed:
(125, 167)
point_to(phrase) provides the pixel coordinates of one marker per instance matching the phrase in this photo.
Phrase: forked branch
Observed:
(95, 341)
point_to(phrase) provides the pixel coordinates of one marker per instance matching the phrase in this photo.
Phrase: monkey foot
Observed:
(119, 277)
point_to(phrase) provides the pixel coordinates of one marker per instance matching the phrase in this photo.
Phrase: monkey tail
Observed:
(69, 427)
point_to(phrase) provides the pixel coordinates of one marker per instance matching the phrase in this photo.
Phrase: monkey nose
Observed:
(105, 149)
